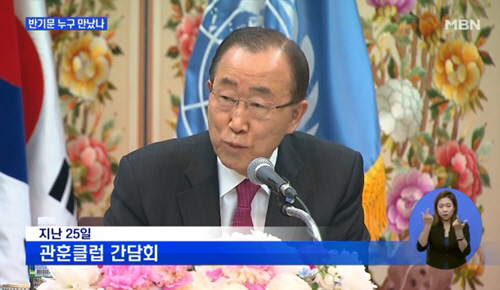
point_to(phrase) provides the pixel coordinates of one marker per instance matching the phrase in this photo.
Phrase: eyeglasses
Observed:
(257, 110)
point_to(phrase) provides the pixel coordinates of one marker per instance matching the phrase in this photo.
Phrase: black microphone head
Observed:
(254, 166)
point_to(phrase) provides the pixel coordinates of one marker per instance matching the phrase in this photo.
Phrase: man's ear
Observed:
(209, 85)
(298, 112)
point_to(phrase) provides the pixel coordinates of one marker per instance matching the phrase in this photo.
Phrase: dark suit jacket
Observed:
(175, 183)
(438, 254)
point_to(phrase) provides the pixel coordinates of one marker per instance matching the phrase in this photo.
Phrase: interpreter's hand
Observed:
(428, 219)
(457, 225)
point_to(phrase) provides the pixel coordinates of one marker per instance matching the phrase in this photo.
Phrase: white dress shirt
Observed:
(228, 180)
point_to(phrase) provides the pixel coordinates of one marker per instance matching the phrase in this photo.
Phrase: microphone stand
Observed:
(289, 210)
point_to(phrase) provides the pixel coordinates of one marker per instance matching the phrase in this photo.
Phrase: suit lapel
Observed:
(199, 205)
(288, 165)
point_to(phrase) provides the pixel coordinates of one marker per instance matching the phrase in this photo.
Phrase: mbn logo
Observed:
(463, 24)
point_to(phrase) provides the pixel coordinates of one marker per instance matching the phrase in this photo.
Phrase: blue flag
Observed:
(341, 95)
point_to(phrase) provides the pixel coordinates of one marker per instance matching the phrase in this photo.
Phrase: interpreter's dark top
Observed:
(442, 256)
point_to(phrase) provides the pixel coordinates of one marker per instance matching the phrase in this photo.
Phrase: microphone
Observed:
(261, 171)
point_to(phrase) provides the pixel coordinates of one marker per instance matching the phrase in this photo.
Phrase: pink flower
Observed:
(406, 191)
(170, 277)
(418, 277)
(403, 6)
(252, 277)
(462, 161)
(126, 277)
(92, 155)
(186, 33)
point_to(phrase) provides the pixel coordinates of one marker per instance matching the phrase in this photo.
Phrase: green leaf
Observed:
(478, 8)
(114, 24)
(86, 197)
(462, 7)
(71, 130)
(431, 160)
(171, 24)
(398, 166)
(449, 178)
(367, 28)
(485, 177)
(76, 171)
(418, 71)
(417, 31)
(64, 91)
(108, 4)
(410, 157)
(486, 57)
(111, 86)
(53, 2)
(477, 137)
(384, 138)
(481, 95)
(91, 4)
(116, 50)
(435, 108)
(426, 2)
(114, 167)
(420, 152)
(173, 52)
(72, 9)
(101, 97)
(445, 10)
(447, 114)
(391, 68)
(315, 286)
(434, 112)
(456, 278)
(107, 95)
(394, 147)
(477, 281)
(484, 32)
(471, 283)
(441, 103)
(85, 6)
(471, 105)
(175, 2)
(109, 125)
(405, 63)
(478, 104)
(76, 110)
(366, 23)
(113, 141)
(189, 5)
(175, 100)
(465, 34)
(441, 132)
(408, 18)
(434, 93)
(391, 28)
(405, 40)
(425, 138)
(484, 149)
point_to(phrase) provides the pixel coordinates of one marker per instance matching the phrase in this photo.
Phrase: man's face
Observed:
(237, 135)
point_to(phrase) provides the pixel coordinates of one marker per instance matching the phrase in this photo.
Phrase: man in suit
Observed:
(258, 83)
